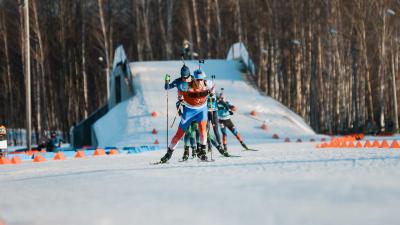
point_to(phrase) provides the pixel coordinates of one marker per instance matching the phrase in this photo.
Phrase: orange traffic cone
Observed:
(59, 156)
(30, 153)
(156, 142)
(5, 160)
(16, 160)
(99, 152)
(264, 126)
(154, 131)
(359, 144)
(368, 144)
(80, 154)
(324, 145)
(39, 158)
(395, 144)
(384, 144)
(114, 152)
(376, 144)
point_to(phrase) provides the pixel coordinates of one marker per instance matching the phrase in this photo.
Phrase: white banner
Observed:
(3, 144)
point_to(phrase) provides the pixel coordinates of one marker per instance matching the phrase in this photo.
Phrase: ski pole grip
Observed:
(167, 77)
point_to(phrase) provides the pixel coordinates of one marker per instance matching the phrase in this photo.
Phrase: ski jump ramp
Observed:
(130, 123)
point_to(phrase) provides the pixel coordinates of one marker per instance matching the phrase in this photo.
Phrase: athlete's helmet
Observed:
(199, 74)
(185, 72)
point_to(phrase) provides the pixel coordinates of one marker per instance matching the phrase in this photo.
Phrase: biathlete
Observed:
(194, 108)
(225, 111)
(214, 125)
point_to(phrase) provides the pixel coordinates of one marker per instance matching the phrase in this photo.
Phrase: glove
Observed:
(233, 108)
(167, 78)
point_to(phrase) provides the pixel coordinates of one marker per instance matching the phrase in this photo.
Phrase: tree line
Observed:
(335, 62)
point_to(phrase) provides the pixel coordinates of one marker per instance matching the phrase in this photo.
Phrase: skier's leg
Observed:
(183, 126)
(187, 144)
(197, 133)
(201, 118)
(216, 127)
(208, 137)
(187, 117)
(187, 137)
(192, 138)
(234, 131)
(197, 138)
(224, 134)
(212, 139)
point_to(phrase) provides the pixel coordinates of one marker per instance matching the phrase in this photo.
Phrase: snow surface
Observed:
(283, 183)
(130, 122)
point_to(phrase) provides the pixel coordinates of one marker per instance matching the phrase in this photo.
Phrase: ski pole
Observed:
(176, 115)
(173, 121)
(212, 114)
(183, 60)
(211, 100)
(209, 144)
(167, 120)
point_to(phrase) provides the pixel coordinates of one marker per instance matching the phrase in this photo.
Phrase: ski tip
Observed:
(249, 150)
(157, 163)
(234, 156)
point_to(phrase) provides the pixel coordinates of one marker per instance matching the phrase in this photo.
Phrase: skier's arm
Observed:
(174, 84)
(168, 85)
(232, 107)
(225, 104)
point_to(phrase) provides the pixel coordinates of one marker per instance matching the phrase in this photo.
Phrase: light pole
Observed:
(27, 77)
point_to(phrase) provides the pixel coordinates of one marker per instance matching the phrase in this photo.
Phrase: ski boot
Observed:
(223, 151)
(185, 153)
(201, 153)
(244, 145)
(194, 151)
(167, 156)
(225, 147)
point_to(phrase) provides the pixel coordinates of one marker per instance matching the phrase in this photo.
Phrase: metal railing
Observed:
(239, 52)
